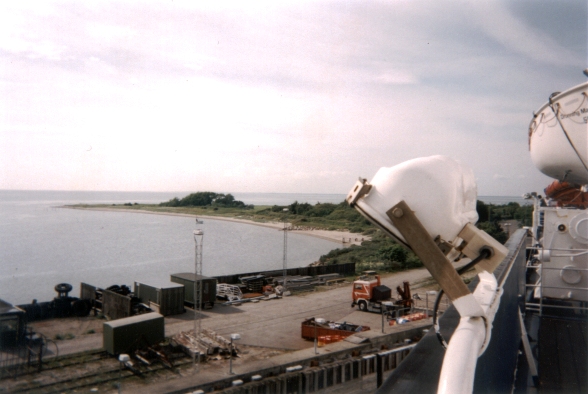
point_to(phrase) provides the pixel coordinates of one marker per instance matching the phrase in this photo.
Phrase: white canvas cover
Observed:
(440, 190)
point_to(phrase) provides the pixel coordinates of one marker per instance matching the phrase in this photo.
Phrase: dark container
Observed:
(164, 298)
(130, 333)
(12, 326)
(208, 288)
(116, 306)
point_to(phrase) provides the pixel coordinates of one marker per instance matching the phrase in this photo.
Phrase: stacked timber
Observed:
(206, 343)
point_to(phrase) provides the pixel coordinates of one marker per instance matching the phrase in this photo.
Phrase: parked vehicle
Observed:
(370, 295)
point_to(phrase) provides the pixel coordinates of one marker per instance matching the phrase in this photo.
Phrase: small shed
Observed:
(127, 334)
(167, 298)
(208, 287)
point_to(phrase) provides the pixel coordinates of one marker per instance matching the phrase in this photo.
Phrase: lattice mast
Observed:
(198, 239)
(285, 259)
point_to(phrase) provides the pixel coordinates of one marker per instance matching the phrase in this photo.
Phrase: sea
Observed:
(43, 244)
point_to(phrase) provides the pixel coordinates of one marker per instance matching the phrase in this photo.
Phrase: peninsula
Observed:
(361, 242)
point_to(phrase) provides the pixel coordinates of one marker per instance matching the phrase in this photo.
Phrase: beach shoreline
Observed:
(344, 238)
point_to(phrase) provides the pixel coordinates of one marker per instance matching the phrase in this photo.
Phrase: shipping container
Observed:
(208, 288)
(116, 306)
(166, 298)
(12, 325)
(130, 333)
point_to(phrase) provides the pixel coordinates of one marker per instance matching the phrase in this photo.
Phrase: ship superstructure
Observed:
(522, 324)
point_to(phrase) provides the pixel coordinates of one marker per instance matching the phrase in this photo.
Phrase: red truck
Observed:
(370, 295)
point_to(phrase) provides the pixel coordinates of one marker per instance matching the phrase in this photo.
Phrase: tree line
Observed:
(381, 249)
(206, 199)
(391, 256)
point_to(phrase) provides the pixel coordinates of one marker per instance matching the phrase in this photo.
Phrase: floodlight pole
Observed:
(317, 321)
(198, 240)
(234, 337)
(231, 359)
(285, 262)
(315, 338)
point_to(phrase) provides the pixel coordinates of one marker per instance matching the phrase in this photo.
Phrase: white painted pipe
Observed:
(470, 339)
(459, 364)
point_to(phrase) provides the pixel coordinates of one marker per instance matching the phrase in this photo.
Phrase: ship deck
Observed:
(563, 354)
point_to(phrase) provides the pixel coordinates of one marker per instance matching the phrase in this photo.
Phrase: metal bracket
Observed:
(425, 248)
(419, 240)
(360, 189)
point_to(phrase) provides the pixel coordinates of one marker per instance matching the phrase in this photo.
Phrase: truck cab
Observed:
(368, 293)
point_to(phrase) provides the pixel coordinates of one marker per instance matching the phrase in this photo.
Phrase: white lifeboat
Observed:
(558, 136)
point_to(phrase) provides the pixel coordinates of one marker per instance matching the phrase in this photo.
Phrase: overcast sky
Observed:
(300, 96)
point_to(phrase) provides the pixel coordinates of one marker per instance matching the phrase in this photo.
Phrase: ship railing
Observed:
(544, 303)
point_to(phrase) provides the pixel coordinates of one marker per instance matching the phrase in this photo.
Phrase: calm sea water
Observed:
(42, 244)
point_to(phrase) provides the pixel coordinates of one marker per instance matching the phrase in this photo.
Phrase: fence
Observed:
(314, 379)
(347, 269)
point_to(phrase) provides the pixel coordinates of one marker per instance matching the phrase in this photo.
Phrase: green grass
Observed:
(349, 220)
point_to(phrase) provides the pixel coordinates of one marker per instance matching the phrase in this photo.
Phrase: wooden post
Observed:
(419, 240)
(379, 370)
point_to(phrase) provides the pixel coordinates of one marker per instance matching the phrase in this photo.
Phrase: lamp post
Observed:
(234, 337)
(198, 238)
(507, 225)
(285, 264)
(388, 305)
(317, 321)
(429, 293)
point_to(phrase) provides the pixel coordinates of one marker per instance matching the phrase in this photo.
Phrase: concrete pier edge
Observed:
(374, 341)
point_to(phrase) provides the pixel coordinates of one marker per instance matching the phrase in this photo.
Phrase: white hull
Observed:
(558, 136)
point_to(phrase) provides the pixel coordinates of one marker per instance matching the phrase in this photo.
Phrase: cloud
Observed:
(511, 32)
(272, 96)
(394, 78)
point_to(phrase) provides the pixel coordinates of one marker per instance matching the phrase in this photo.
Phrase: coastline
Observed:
(344, 238)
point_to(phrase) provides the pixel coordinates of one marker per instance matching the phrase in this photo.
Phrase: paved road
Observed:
(276, 323)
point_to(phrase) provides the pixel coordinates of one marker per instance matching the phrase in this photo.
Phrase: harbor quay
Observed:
(270, 347)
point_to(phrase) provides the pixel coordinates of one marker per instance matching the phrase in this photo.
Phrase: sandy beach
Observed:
(344, 238)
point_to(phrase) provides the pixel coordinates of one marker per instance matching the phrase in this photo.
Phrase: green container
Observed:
(208, 288)
(165, 298)
(125, 335)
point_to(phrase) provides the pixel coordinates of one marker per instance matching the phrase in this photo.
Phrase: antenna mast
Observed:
(198, 239)
(285, 261)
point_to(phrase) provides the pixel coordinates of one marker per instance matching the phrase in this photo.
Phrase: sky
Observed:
(276, 96)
